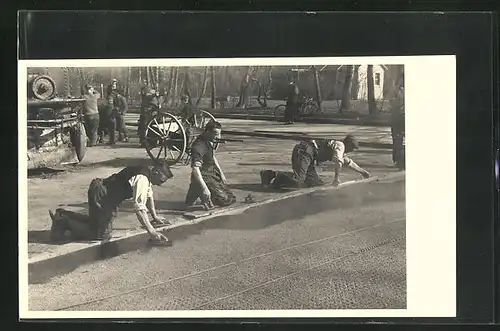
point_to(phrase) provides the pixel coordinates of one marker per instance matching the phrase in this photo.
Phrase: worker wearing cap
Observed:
(309, 153)
(186, 112)
(121, 108)
(155, 102)
(104, 197)
(146, 94)
(91, 113)
(107, 115)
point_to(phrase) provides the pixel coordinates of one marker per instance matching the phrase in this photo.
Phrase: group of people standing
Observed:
(109, 118)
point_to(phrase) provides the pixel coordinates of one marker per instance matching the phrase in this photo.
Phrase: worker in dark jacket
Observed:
(104, 197)
(107, 114)
(398, 129)
(208, 181)
(306, 155)
(121, 108)
(292, 103)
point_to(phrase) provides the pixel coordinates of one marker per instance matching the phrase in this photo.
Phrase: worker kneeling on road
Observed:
(306, 155)
(207, 178)
(104, 197)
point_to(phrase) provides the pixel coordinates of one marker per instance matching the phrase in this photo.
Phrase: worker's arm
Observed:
(197, 153)
(141, 194)
(217, 165)
(352, 165)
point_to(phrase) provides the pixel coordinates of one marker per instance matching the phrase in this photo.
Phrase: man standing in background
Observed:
(107, 115)
(121, 108)
(144, 118)
(398, 127)
(292, 102)
(91, 114)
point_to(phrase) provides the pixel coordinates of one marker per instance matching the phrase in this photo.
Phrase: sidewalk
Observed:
(369, 136)
(328, 117)
(241, 163)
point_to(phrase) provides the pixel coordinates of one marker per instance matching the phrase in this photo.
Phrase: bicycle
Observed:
(307, 107)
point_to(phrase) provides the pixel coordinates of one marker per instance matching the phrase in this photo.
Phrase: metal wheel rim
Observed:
(49, 84)
(308, 109)
(163, 135)
(205, 114)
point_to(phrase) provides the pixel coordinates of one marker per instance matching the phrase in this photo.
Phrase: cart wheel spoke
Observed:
(154, 131)
(174, 147)
(159, 152)
(171, 154)
(158, 126)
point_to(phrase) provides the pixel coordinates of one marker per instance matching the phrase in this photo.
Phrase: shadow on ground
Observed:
(250, 187)
(39, 237)
(351, 197)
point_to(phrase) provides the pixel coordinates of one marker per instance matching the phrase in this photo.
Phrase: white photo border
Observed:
(430, 104)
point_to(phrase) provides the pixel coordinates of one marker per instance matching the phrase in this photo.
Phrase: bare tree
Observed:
(157, 71)
(176, 82)
(140, 75)
(346, 89)
(127, 86)
(203, 86)
(318, 88)
(212, 95)
(67, 84)
(372, 105)
(148, 77)
(170, 86)
(187, 84)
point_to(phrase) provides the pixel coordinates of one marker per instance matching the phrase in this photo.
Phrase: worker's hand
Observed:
(336, 182)
(158, 236)
(160, 220)
(206, 194)
(365, 174)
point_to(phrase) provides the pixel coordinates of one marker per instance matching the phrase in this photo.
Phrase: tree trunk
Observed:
(372, 105)
(140, 75)
(346, 90)
(203, 86)
(187, 84)
(67, 85)
(170, 86)
(158, 77)
(148, 77)
(212, 95)
(176, 81)
(318, 89)
(245, 84)
(355, 83)
(127, 87)
(227, 80)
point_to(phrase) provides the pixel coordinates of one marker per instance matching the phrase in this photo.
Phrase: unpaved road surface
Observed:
(339, 249)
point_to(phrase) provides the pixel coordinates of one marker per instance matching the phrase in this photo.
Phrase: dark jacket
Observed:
(117, 185)
(121, 104)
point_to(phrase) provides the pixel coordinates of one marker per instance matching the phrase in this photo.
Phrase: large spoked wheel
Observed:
(200, 119)
(308, 109)
(279, 113)
(165, 139)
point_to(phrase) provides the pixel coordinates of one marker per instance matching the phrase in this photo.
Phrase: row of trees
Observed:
(219, 81)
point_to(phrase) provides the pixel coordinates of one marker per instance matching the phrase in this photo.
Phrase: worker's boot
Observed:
(266, 177)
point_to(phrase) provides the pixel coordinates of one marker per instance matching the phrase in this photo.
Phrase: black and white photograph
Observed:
(256, 187)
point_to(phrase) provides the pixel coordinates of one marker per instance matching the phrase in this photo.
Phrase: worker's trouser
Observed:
(221, 194)
(303, 174)
(398, 148)
(97, 225)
